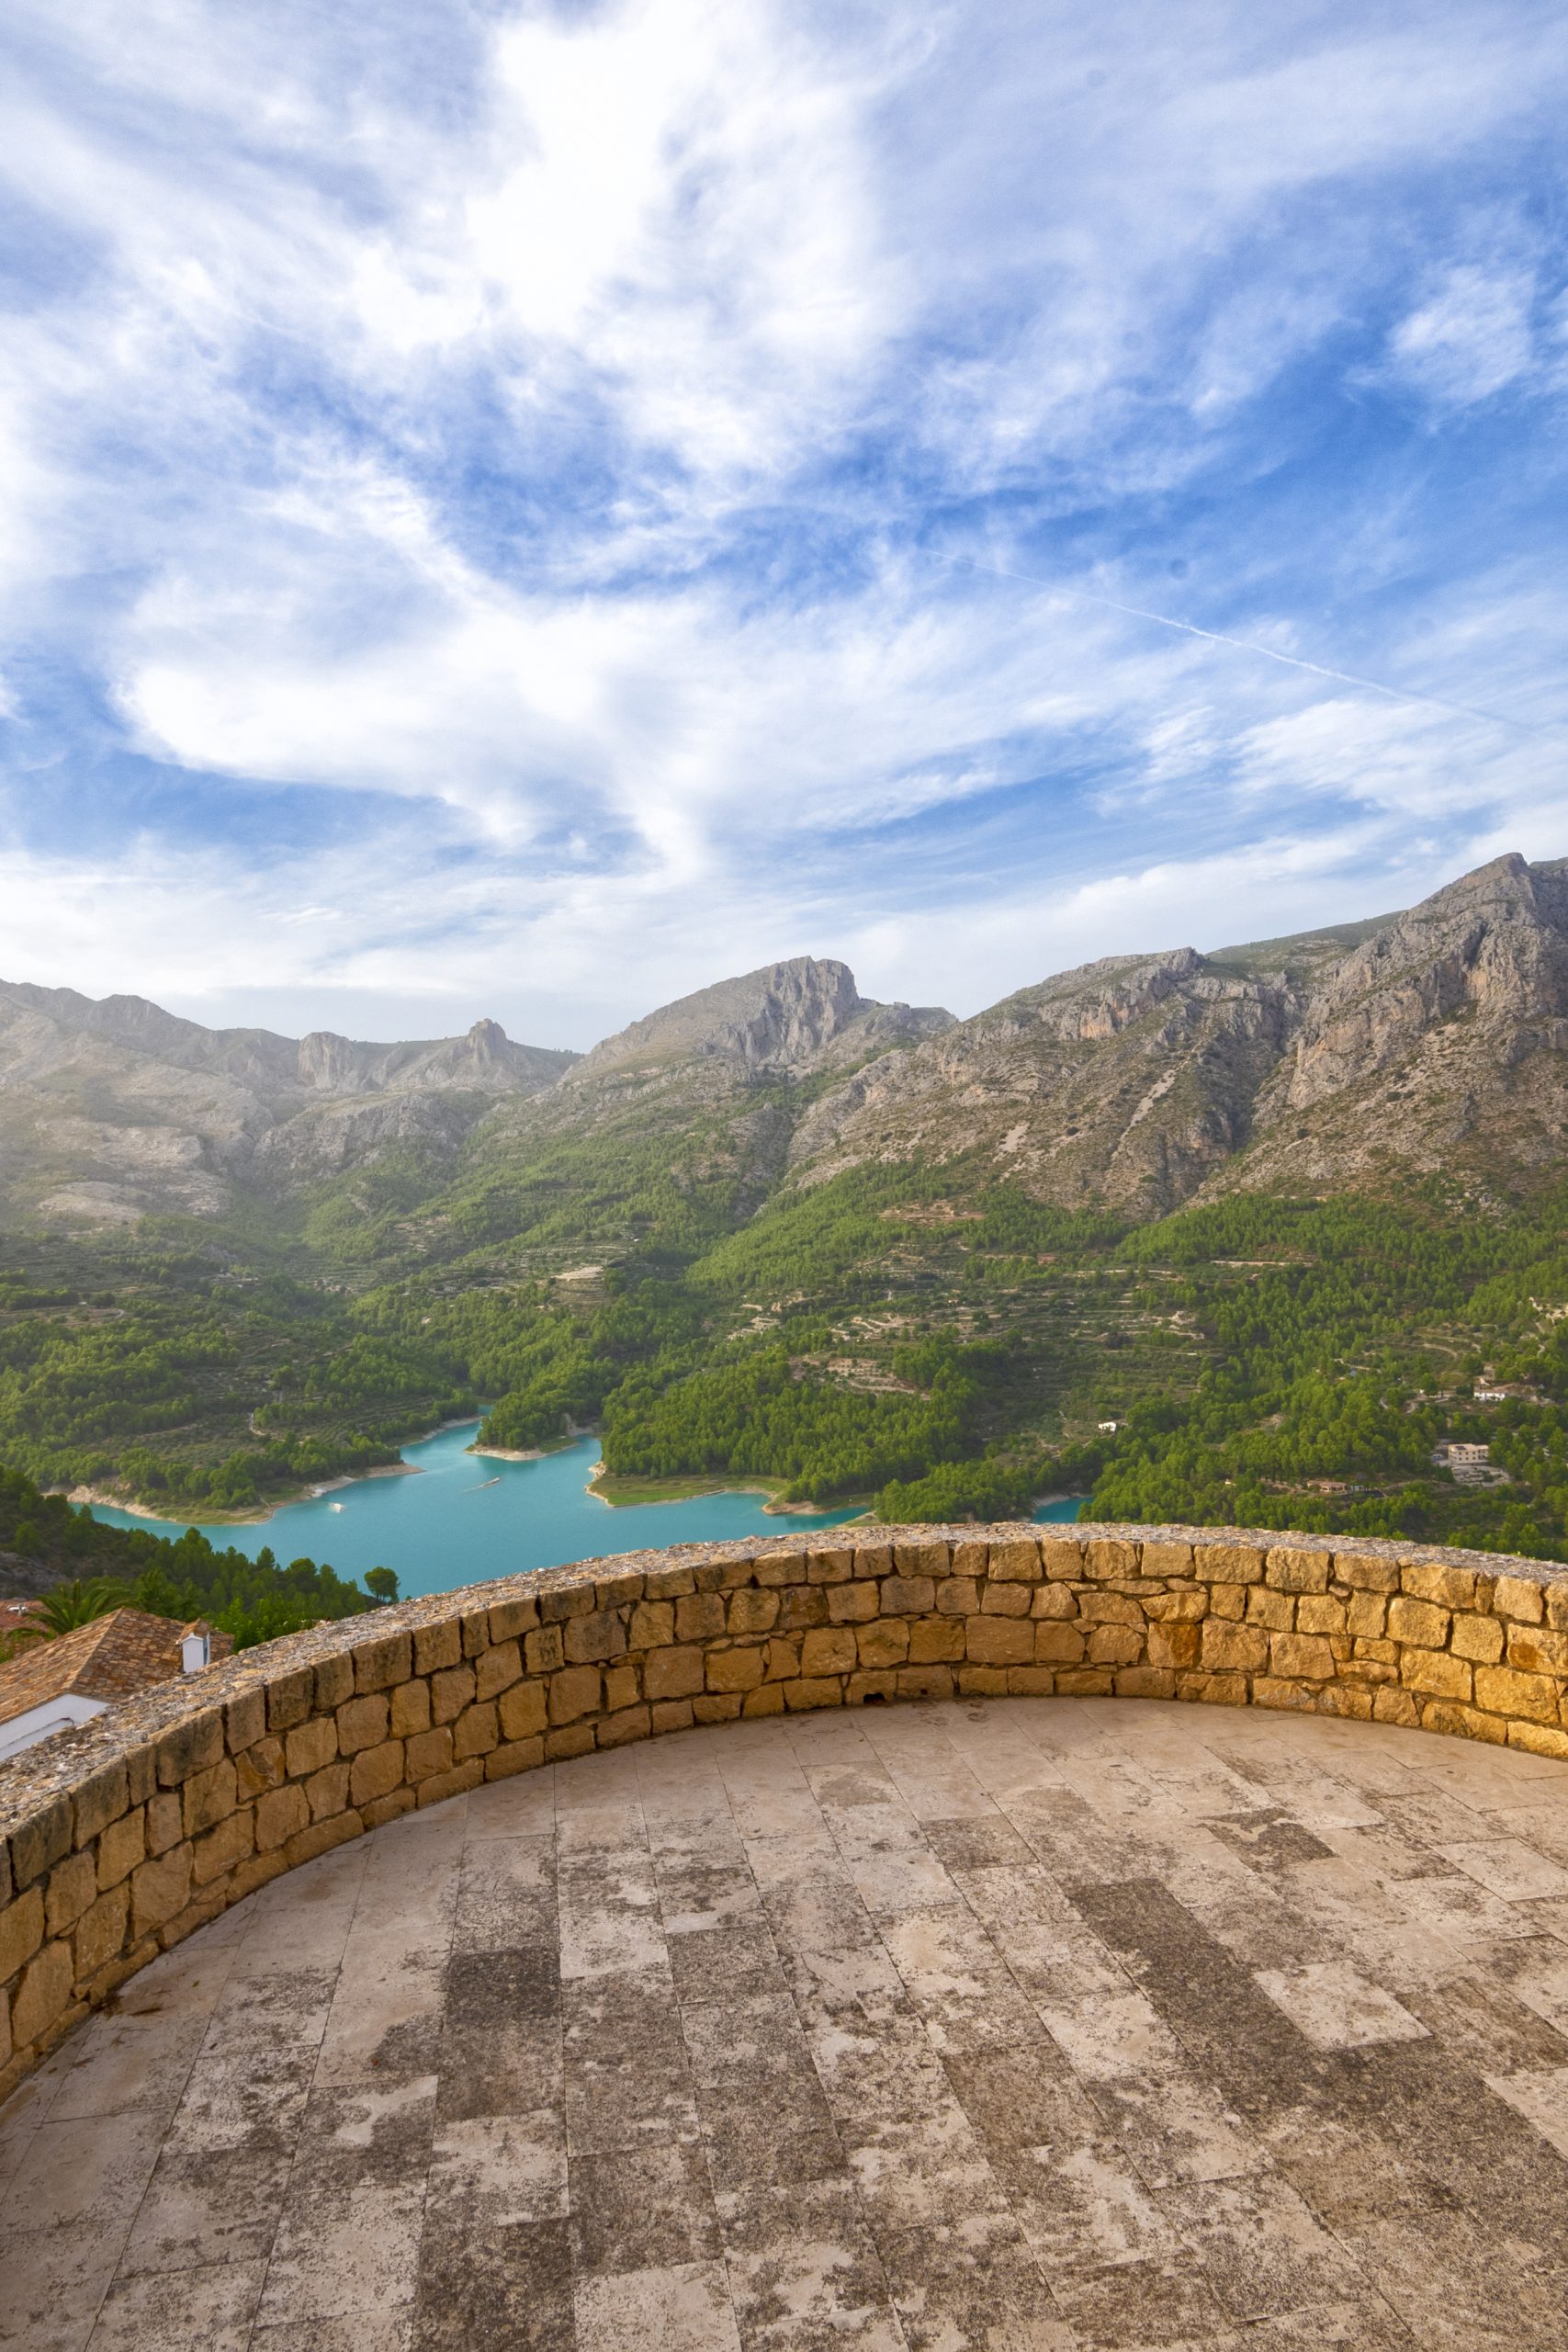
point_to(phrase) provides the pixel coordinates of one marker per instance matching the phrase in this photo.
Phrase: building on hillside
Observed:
(1459, 1454)
(50, 1686)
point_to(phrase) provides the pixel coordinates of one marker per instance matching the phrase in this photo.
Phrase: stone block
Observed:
(1015, 1561)
(1395, 1707)
(887, 1643)
(495, 1669)
(222, 1848)
(1437, 1673)
(752, 1612)
(983, 1681)
(362, 1723)
(928, 1557)
(623, 1687)
(1079, 1681)
(1106, 1558)
(438, 1645)
(1365, 1573)
(513, 1756)
(628, 1723)
(1166, 1560)
(781, 1660)
(321, 1837)
(832, 1565)
(1061, 1559)
(1450, 1588)
(574, 1692)
(390, 1807)
(476, 1731)
(652, 1626)
(39, 1842)
(158, 1889)
(1058, 1600)
(670, 1715)
(564, 1601)
(774, 1571)
(717, 1707)
(1418, 1622)
(802, 1607)
(450, 1691)
(43, 1995)
(999, 1641)
(871, 1560)
(873, 1684)
(1345, 1700)
(1232, 1648)
(1537, 1650)
(164, 1818)
(1462, 1722)
(509, 1620)
(1015, 1600)
(672, 1674)
(855, 1603)
(280, 1813)
(1185, 1605)
(121, 1847)
(1228, 1599)
(1366, 1615)
(1277, 1611)
(21, 1931)
(1301, 1657)
(668, 1584)
(1213, 1689)
(700, 1617)
(290, 1698)
(1109, 1609)
(830, 1649)
(260, 1765)
(333, 1684)
(100, 1798)
(1174, 1644)
(1538, 1738)
(1504, 1690)
(933, 1682)
(208, 1797)
(1289, 1569)
(378, 1664)
(100, 1933)
(410, 1710)
(326, 1792)
(428, 1752)
(524, 1711)
(311, 1747)
(1320, 1612)
(910, 1596)
(936, 1641)
(960, 1596)
(1229, 1563)
(72, 1883)
(1115, 1645)
(1282, 1691)
(244, 1721)
(593, 1638)
(545, 1651)
(1518, 1596)
(1145, 1682)
(376, 1771)
(812, 1690)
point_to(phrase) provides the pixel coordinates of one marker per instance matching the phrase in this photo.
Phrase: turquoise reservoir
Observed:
(463, 1517)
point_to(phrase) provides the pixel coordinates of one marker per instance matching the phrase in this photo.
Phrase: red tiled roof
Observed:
(109, 1660)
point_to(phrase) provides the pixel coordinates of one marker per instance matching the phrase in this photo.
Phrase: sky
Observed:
(524, 511)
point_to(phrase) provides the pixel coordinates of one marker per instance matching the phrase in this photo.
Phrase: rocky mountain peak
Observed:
(781, 1018)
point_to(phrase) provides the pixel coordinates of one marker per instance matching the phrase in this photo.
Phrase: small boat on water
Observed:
(335, 1506)
(483, 1484)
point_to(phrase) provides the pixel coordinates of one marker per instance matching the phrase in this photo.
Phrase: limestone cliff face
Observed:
(780, 1020)
(113, 1109)
(1439, 1041)
(1124, 1081)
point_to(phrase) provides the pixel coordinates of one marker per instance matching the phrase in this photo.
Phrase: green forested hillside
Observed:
(927, 1340)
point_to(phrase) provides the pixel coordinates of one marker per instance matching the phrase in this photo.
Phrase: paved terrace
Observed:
(1031, 2024)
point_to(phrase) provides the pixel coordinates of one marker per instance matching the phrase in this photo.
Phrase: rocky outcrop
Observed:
(115, 1109)
(782, 1020)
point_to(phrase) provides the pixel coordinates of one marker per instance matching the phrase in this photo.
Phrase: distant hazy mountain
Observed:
(1433, 1039)
(110, 1109)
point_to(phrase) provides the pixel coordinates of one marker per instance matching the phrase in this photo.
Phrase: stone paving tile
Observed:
(1020, 2025)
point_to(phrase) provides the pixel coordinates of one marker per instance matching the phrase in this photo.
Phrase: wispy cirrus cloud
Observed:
(488, 490)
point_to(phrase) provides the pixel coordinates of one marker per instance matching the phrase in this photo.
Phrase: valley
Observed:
(1225, 1237)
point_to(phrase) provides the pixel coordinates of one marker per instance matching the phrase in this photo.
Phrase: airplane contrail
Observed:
(1246, 645)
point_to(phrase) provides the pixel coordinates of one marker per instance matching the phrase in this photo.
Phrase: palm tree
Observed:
(70, 1605)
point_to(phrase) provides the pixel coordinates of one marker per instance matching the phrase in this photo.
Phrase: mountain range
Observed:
(1432, 1040)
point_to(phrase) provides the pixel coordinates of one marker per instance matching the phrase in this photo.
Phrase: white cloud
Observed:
(1470, 338)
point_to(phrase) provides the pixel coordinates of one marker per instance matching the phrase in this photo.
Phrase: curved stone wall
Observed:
(118, 1839)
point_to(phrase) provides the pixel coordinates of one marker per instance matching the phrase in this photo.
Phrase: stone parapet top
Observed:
(119, 1837)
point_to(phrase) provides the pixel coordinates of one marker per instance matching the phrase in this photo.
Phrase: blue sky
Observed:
(527, 511)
